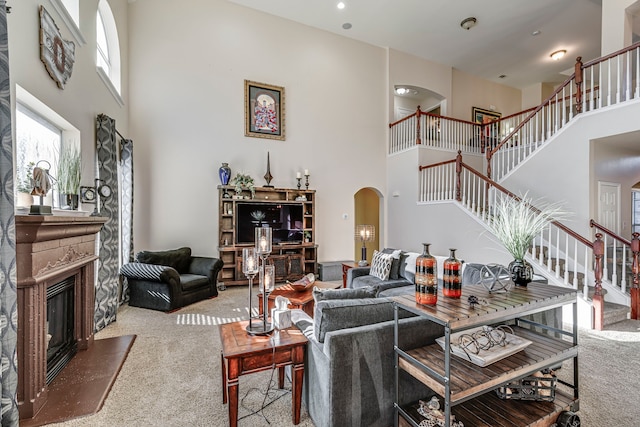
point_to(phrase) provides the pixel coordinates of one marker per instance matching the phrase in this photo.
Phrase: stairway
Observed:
(613, 313)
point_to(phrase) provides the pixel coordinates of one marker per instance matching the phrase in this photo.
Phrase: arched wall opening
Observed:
(367, 211)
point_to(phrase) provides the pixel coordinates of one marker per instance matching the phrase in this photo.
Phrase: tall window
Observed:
(73, 8)
(103, 46)
(69, 11)
(108, 48)
(37, 143)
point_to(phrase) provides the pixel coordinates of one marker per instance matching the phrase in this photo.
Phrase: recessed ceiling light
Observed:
(347, 25)
(469, 23)
(502, 76)
(536, 32)
(341, 5)
(558, 54)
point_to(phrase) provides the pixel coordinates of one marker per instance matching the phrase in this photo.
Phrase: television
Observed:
(284, 219)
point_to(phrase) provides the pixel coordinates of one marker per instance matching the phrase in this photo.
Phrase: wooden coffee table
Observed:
(244, 354)
(298, 299)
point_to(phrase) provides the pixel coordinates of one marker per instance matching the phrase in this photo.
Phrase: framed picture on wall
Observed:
(482, 116)
(263, 110)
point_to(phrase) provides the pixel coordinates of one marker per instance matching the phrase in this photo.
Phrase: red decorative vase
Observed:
(451, 278)
(426, 278)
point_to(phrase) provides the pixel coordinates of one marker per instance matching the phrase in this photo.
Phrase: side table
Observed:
(244, 354)
(345, 267)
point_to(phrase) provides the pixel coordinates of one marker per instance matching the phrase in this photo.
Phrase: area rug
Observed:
(83, 385)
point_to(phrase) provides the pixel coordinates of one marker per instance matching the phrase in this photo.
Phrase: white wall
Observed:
(616, 24)
(85, 95)
(187, 117)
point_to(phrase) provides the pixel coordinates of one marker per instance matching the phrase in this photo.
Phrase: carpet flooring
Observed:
(171, 376)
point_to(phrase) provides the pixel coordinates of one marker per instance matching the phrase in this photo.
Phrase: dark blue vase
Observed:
(225, 173)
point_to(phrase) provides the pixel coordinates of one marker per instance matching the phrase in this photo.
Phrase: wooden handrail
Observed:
(490, 153)
(609, 233)
(510, 194)
(611, 55)
(401, 120)
(450, 118)
(436, 164)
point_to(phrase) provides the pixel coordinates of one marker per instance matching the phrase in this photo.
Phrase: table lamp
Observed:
(366, 233)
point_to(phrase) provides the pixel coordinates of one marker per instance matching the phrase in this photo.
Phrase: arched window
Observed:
(108, 49)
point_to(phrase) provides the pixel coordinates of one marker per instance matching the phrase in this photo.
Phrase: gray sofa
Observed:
(349, 373)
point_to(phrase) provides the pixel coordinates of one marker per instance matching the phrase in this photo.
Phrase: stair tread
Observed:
(614, 306)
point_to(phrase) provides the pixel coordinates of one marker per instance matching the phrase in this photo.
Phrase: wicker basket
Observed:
(539, 386)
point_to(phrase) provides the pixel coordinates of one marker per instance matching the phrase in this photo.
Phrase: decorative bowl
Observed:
(304, 283)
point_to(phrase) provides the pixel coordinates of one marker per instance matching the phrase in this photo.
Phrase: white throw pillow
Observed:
(381, 265)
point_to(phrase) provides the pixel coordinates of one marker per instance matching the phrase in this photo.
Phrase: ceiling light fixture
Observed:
(341, 5)
(402, 90)
(558, 54)
(346, 25)
(469, 23)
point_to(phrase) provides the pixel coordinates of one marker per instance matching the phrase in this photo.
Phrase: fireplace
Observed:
(61, 343)
(55, 259)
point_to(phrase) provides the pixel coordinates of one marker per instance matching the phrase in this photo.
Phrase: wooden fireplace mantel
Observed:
(50, 249)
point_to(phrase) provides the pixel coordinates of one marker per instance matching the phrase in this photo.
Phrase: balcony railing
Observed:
(507, 142)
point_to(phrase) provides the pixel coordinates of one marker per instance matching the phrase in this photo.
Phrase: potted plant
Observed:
(242, 181)
(69, 173)
(307, 236)
(516, 222)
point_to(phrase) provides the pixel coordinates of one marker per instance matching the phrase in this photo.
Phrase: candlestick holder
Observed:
(306, 184)
(250, 267)
(266, 279)
(299, 182)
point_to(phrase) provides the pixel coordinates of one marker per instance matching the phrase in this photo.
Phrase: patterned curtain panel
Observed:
(126, 210)
(108, 263)
(8, 294)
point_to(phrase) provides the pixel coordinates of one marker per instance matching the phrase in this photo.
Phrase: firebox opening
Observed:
(62, 345)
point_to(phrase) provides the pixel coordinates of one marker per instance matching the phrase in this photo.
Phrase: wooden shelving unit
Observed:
(467, 389)
(292, 260)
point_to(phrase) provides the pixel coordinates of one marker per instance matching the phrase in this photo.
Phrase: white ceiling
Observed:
(500, 44)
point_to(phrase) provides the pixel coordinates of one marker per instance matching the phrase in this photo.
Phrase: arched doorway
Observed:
(407, 98)
(367, 203)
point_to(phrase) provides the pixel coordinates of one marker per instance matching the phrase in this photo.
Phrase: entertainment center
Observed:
(288, 211)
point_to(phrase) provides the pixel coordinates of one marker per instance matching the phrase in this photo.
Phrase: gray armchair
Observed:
(169, 280)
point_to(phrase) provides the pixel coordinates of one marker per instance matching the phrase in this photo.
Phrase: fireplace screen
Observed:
(60, 326)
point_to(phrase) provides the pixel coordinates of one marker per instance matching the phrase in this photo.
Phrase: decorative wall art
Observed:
(58, 55)
(489, 132)
(482, 116)
(263, 110)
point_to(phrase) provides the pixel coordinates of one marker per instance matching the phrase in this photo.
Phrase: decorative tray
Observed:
(486, 351)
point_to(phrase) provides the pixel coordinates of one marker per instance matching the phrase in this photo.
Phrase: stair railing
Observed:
(617, 256)
(559, 250)
(603, 82)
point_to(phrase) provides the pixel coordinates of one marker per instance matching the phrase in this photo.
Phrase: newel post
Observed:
(598, 300)
(458, 172)
(488, 155)
(635, 269)
(418, 114)
(578, 81)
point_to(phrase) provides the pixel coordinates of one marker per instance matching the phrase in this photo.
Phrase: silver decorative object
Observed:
(495, 278)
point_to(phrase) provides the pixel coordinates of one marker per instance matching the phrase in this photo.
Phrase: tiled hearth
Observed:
(50, 249)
